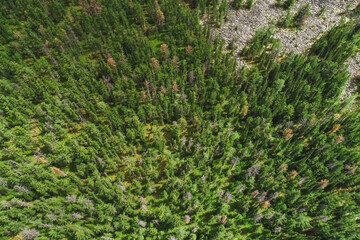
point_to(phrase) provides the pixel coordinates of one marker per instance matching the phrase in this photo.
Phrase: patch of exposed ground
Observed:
(354, 71)
(242, 24)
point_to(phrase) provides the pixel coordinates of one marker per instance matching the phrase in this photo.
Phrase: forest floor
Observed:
(241, 25)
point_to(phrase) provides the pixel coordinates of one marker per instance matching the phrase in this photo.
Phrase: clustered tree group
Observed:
(128, 120)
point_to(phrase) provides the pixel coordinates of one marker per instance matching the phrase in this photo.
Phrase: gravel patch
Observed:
(242, 24)
(354, 72)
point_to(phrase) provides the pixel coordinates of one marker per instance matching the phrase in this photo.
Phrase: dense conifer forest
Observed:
(130, 119)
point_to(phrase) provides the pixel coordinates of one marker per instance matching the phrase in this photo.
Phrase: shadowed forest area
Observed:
(131, 119)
